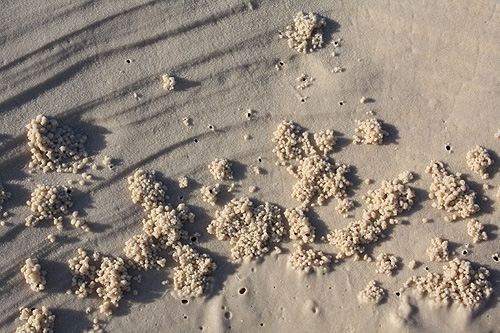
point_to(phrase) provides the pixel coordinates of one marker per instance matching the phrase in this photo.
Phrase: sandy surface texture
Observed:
(171, 86)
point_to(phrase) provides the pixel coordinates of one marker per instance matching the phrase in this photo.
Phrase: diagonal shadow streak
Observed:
(92, 26)
(34, 92)
(10, 147)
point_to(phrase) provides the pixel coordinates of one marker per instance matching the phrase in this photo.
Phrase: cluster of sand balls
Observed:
(191, 275)
(459, 283)
(143, 252)
(305, 260)
(220, 168)
(370, 132)
(209, 193)
(109, 279)
(36, 320)
(372, 293)
(383, 204)
(478, 159)
(304, 34)
(317, 177)
(386, 263)
(438, 251)
(33, 274)
(301, 229)
(145, 190)
(49, 202)
(162, 228)
(450, 192)
(83, 270)
(325, 141)
(475, 230)
(168, 82)
(113, 281)
(162, 223)
(249, 228)
(55, 147)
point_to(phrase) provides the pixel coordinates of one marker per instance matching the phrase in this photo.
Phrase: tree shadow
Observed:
(150, 289)
(328, 31)
(19, 196)
(200, 224)
(4, 137)
(12, 168)
(452, 246)
(95, 134)
(420, 197)
(225, 268)
(493, 169)
(393, 136)
(182, 84)
(341, 142)
(58, 276)
(494, 299)
(491, 231)
(352, 176)
(71, 321)
(239, 170)
(486, 206)
(321, 229)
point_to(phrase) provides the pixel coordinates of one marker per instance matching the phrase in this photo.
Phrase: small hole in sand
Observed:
(341, 103)
(495, 257)
(68, 190)
(227, 315)
(261, 324)
(201, 328)
(128, 61)
(242, 291)
(398, 293)
(447, 147)
(259, 159)
(195, 140)
(302, 100)
(426, 268)
(194, 239)
(464, 252)
(185, 317)
(184, 301)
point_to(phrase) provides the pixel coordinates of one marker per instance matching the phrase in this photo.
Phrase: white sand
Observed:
(429, 72)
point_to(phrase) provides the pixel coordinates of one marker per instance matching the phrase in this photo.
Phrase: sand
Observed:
(427, 69)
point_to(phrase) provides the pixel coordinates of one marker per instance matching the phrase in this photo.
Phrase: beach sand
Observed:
(427, 69)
